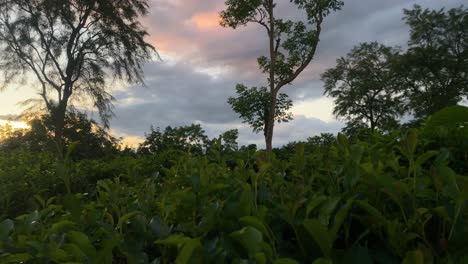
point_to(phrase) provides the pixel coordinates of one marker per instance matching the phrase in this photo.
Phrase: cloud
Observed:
(206, 61)
(203, 62)
(176, 95)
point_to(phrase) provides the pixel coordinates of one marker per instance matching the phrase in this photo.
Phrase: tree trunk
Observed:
(58, 117)
(270, 124)
(271, 113)
(372, 121)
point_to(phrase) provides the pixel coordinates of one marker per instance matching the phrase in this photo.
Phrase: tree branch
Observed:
(309, 58)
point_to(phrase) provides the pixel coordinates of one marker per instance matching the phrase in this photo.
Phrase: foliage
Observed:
(435, 65)
(252, 104)
(185, 138)
(448, 128)
(365, 88)
(73, 49)
(92, 140)
(291, 44)
(391, 198)
(394, 197)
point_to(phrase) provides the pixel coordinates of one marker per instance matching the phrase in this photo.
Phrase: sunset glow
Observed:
(206, 21)
(14, 124)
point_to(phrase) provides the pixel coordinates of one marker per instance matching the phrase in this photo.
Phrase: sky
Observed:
(202, 62)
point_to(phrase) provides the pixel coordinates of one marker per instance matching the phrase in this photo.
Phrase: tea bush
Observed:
(397, 198)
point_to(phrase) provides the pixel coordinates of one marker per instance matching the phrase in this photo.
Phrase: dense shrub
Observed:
(392, 200)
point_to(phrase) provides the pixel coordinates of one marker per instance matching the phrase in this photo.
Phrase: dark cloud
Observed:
(175, 95)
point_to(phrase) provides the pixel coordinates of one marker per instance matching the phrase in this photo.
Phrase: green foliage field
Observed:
(394, 198)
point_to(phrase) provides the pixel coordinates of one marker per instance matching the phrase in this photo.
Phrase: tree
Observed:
(291, 44)
(253, 105)
(71, 48)
(7, 130)
(92, 140)
(185, 138)
(435, 66)
(229, 140)
(223, 148)
(365, 87)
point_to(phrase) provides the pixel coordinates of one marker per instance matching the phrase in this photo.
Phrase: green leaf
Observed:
(410, 143)
(16, 258)
(73, 205)
(58, 255)
(452, 117)
(6, 226)
(340, 217)
(174, 240)
(255, 222)
(70, 149)
(260, 258)
(342, 141)
(327, 210)
(315, 203)
(320, 235)
(187, 251)
(61, 226)
(425, 157)
(105, 254)
(82, 241)
(356, 153)
(441, 211)
(41, 201)
(73, 250)
(414, 257)
(123, 219)
(371, 210)
(250, 238)
(267, 249)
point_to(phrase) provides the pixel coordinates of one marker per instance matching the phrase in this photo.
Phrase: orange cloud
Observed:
(206, 21)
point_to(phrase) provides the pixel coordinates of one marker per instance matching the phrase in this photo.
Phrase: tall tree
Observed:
(291, 44)
(72, 48)
(435, 66)
(365, 87)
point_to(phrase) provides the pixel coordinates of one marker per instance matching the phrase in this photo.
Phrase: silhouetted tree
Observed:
(185, 138)
(92, 141)
(291, 44)
(435, 67)
(72, 48)
(365, 87)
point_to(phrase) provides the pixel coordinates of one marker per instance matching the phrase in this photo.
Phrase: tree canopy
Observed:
(92, 141)
(365, 88)
(185, 138)
(73, 49)
(252, 105)
(435, 66)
